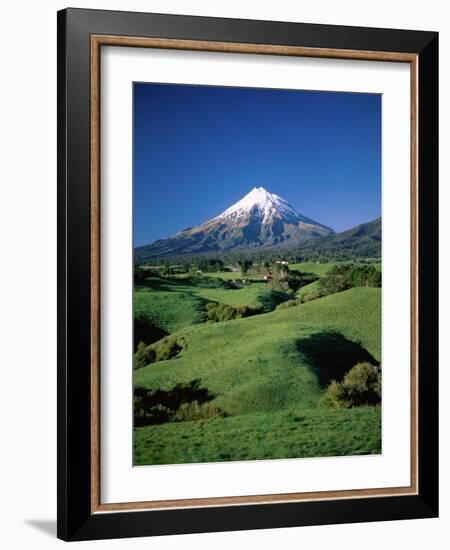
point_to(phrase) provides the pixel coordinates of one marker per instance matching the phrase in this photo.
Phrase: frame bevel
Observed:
(80, 517)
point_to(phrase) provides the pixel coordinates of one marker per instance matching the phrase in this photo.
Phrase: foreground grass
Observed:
(293, 433)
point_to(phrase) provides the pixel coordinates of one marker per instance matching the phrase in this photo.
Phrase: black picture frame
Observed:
(75, 518)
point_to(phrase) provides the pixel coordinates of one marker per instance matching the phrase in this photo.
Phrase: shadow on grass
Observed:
(158, 406)
(185, 284)
(165, 284)
(331, 355)
(144, 331)
(272, 300)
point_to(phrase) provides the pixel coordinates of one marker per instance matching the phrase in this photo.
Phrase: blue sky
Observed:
(199, 149)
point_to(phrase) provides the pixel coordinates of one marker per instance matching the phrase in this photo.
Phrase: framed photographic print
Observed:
(247, 274)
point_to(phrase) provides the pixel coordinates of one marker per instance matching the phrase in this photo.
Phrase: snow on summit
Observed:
(268, 205)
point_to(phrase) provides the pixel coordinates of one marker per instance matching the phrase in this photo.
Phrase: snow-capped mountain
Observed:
(260, 219)
(267, 205)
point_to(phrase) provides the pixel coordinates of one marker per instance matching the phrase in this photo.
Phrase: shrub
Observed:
(247, 311)
(160, 351)
(223, 312)
(147, 410)
(299, 279)
(307, 297)
(197, 411)
(168, 348)
(334, 397)
(335, 280)
(144, 356)
(182, 402)
(343, 277)
(365, 275)
(360, 386)
(245, 265)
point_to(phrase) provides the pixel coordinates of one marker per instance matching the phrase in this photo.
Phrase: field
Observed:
(290, 433)
(172, 304)
(170, 310)
(260, 378)
(321, 268)
(226, 275)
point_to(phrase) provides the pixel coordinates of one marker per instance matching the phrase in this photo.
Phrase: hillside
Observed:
(267, 374)
(362, 241)
(172, 304)
(277, 359)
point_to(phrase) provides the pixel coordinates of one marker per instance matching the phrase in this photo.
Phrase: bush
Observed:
(360, 386)
(197, 411)
(168, 348)
(334, 397)
(223, 312)
(144, 355)
(148, 411)
(365, 275)
(160, 351)
(182, 402)
(343, 277)
(245, 265)
(335, 280)
(307, 297)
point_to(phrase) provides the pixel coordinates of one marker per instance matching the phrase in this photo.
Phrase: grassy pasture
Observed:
(313, 267)
(312, 288)
(321, 269)
(172, 304)
(266, 372)
(253, 296)
(279, 359)
(168, 310)
(226, 275)
(290, 433)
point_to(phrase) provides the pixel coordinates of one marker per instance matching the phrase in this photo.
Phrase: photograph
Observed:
(257, 273)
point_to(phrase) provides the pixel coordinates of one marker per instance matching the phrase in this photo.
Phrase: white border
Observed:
(120, 482)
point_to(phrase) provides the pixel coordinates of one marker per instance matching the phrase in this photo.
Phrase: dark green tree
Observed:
(335, 280)
(245, 265)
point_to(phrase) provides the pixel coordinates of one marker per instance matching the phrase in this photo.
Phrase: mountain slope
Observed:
(260, 219)
(364, 240)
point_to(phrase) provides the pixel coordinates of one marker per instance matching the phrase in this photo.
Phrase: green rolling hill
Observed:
(267, 370)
